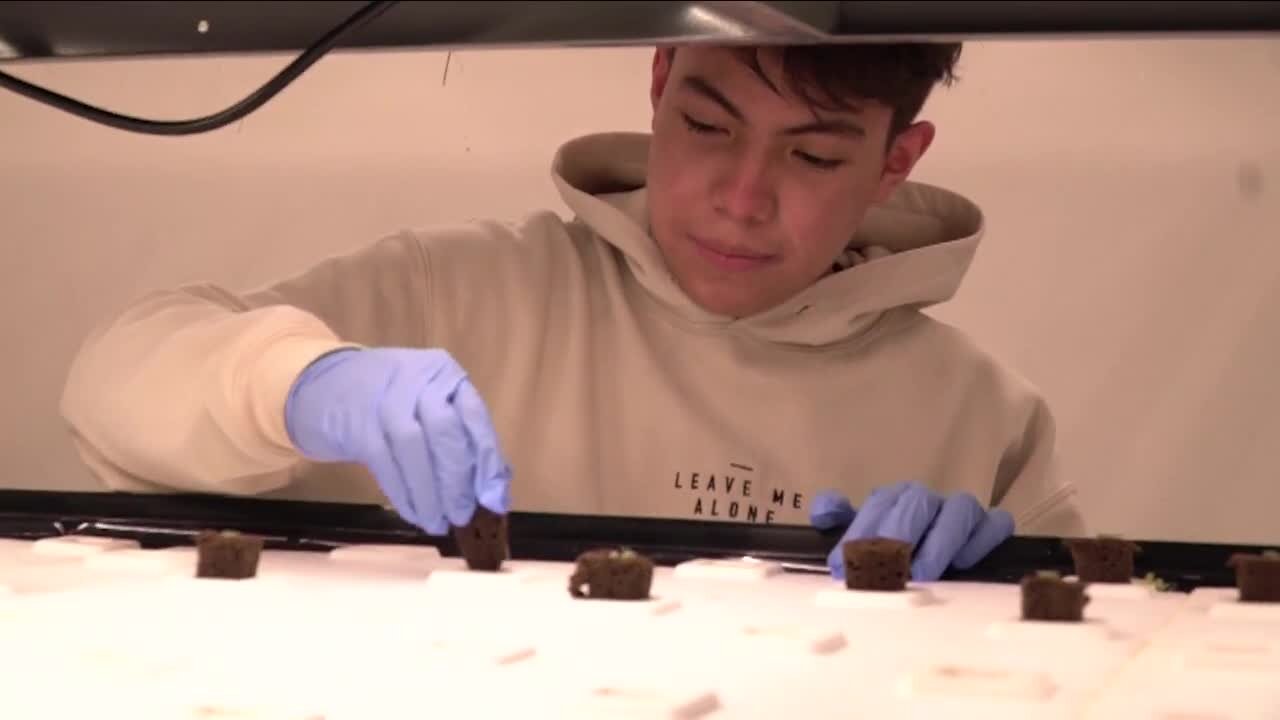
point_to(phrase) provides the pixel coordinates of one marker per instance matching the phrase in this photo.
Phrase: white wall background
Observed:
(1130, 270)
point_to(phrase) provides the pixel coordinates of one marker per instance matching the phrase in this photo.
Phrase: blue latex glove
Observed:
(414, 420)
(945, 532)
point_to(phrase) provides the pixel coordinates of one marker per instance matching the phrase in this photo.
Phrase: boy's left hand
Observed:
(944, 532)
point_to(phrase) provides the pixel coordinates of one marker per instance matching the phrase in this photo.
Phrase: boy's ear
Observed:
(662, 59)
(904, 152)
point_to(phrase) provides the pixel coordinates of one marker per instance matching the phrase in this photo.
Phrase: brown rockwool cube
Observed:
(1102, 559)
(227, 554)
(611, 574)
(877, 564)
(1046, 596)
(1257, 577)
(483, 541)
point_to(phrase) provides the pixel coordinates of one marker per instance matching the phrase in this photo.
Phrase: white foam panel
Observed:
(108, 630)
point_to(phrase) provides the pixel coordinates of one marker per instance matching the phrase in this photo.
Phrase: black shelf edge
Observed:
(158, 520)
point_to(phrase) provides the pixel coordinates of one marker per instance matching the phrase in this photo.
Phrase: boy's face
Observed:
(753, 194)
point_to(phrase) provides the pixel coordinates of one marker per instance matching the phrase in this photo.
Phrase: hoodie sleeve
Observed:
(1028, 484)
(185, 389)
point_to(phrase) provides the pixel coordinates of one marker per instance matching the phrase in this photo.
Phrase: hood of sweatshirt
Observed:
(910, 251)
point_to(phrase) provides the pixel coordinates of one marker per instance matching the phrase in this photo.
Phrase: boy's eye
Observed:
(699, 127)
(819, 162)
(816, 161)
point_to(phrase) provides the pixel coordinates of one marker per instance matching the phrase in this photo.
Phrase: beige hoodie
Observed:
(612, 393)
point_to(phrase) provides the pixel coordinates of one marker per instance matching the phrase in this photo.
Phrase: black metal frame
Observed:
(49, 30)
(167, 520)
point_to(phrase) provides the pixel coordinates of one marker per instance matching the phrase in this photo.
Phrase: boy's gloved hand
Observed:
(414, 420)
(945, 532)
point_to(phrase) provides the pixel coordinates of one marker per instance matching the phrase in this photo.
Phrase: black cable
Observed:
(210, 122)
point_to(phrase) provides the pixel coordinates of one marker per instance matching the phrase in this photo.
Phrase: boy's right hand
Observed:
(414, 420)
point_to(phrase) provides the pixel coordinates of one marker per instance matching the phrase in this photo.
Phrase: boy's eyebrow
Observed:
(827, 127)
(709, 91)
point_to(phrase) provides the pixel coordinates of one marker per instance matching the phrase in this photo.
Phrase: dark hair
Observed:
(835, 77)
